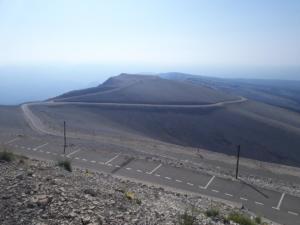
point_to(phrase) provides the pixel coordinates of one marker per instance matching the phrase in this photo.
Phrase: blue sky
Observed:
(156, 33)
(60, 45)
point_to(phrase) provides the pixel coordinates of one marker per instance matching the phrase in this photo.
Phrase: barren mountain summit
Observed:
(146, 89)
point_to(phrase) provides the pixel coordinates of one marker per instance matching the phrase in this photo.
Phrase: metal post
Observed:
(237, 162)
(65, 138)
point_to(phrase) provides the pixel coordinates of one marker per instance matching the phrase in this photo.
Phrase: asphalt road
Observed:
(279, 207)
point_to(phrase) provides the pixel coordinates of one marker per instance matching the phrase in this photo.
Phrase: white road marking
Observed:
(113, 158)
(244, 199)
(179, 181)
(72, 153)
(209, 182)
(168, 178)
(77, 158)
(156, 168)
(41, 151)
(228, 194)
(139, 171)
(54, 153)
(128, 168)
(22, 147)
(190, 184)
(28, 148)
(11, 141)
(93, 161)
(101, 163)
(40, 146)
(158, 175)
(117, 166)
(280, 202)
(259, 203)
(84, 160)
(293, 213)
(62, 155)
(48, 152)
(216, 191)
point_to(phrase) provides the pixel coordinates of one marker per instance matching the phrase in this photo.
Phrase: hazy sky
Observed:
(48, 47)
(157, 33)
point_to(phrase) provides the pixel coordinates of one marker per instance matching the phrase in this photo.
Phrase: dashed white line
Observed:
(157, 175)
(117, 166)
(54, 153)
(179, 181)
(190, 184)
(40, 146)
(216, 191)
(48, 152)
(156, 168)
(293, 213)
(228, 194)
(244, 199)
(93, 161)
(84, 160)
(101, 163)
(128, 168)
(77, 158)
(139, 171)
(280, 202)
(113, 158)
(259, 203)
(74, 152)
(28, 148)
(11, 141)
(22, 147)
(168, 178)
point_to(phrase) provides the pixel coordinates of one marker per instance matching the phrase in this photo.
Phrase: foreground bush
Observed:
(186, 219)
(7, 156)
(212, 213)
(241, 219)
(66, 164)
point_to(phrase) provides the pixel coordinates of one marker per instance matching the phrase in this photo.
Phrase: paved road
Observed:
(279, 207)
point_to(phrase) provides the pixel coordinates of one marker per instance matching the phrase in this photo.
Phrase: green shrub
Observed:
(212, 212)
(186, 219)
(7, 156)
(241, 219)
(258, 220)
(66, 164)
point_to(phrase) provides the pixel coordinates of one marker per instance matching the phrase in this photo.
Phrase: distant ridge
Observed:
(146, 89)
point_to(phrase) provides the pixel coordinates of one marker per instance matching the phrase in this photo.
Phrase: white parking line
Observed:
(228, 194)
(11, 141)
(40, 146)
(72, 153)
(293, 213)
(209, 182)
(156, 168)
(280, 202)
(113, 158)
(216, 191)
(259, 203)
(244, 199)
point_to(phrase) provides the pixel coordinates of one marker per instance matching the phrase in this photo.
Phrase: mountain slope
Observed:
(128, 88)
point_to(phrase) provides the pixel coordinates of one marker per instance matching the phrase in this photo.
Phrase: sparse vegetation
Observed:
(213, 212)
(187, 219)
(7, 156)
(66, 164)
(258, 220)
(241, 219)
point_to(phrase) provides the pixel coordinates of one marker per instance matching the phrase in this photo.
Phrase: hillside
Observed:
(146, 89)
(38, 192)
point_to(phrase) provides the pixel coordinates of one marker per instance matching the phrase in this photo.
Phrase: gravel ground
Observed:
(41, 193)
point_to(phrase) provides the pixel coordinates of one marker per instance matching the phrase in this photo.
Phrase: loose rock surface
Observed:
(40, 193)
